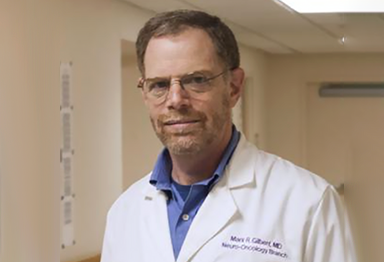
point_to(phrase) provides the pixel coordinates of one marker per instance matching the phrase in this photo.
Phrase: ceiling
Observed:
(273, 28)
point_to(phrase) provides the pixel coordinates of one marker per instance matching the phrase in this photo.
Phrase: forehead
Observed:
(175, 55)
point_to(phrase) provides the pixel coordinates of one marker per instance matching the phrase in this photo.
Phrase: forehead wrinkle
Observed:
(179, 67)
(174, 56)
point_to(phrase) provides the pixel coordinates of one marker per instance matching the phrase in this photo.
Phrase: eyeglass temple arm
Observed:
(140, 83)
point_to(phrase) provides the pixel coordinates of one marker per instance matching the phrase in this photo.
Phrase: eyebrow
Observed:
(159, 78)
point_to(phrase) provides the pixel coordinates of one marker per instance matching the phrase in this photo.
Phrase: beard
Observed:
(195, 138)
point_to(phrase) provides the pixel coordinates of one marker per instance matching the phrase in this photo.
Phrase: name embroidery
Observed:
(254, 244)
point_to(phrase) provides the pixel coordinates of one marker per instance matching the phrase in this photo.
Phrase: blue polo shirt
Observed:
(184, 201)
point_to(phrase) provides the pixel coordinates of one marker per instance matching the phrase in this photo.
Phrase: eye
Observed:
(158, 85)
(194, 79)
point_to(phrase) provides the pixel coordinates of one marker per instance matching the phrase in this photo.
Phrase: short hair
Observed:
(176, 22)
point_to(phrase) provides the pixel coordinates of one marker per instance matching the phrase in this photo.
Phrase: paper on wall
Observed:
(67, 156)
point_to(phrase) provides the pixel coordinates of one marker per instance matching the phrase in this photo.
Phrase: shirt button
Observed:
(185, 217)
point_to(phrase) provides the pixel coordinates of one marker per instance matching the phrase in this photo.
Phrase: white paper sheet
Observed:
(66, 84)
(68, 232)
(67, 156)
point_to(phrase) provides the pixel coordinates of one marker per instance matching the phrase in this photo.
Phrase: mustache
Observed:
(181, 117)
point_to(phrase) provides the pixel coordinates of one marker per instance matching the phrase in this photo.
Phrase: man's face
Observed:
(186, 122)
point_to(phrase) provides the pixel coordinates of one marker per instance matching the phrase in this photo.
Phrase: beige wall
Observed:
(288, 78)
(36, 36)
(254, 63)
(29, 126)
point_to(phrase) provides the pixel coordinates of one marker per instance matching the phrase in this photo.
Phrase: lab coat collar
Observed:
(156, 224)
(241, 170)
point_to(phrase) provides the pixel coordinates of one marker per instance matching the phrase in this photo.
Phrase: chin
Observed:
(190, 143)
(184, 146)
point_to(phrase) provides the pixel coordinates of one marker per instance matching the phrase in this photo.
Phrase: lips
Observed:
(179, 122)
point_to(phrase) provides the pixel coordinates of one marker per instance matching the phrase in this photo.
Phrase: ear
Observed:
(236, 85)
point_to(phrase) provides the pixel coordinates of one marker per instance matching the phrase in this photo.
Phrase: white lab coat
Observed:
(264, 209)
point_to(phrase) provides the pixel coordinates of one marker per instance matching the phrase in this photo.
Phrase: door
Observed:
(345, 144)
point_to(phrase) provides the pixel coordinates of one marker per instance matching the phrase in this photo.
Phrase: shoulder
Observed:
(279, 169)
(128, 200)
(285, 182)
(279, 177)
(298, 193)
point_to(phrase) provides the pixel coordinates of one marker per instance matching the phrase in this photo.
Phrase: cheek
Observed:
(218, 107)
(204, 108)
(212, 113)
(153, 116)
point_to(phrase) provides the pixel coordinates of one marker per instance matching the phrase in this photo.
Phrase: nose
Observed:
(177, 96)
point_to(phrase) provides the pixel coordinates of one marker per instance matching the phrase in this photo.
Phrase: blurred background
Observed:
(314, 95)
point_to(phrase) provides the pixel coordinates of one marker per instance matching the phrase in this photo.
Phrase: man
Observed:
(212, 196)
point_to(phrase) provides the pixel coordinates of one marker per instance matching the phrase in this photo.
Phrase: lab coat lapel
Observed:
(219, 208)
(156, 224)
(215, 213)
(242, 168)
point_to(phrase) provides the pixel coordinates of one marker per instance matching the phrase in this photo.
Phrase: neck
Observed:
(190, 169)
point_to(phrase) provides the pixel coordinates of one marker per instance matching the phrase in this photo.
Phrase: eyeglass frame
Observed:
(179, 80)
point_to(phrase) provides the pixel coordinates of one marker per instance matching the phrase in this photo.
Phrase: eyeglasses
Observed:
(196, 83)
